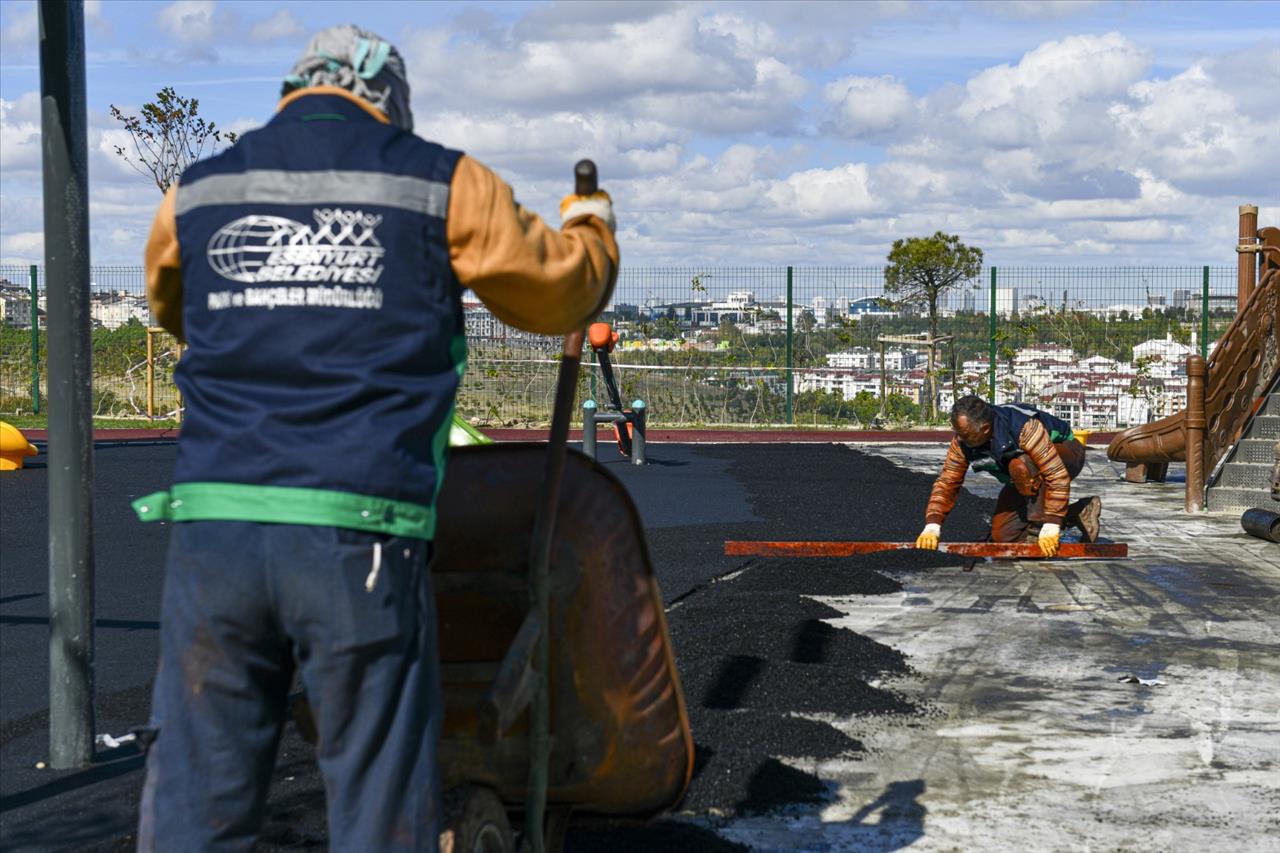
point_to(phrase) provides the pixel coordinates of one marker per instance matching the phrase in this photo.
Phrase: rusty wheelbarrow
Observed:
(560, 686)
(620, 740)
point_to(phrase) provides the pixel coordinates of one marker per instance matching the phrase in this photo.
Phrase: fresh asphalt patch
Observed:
(751, 644)
(757, 660)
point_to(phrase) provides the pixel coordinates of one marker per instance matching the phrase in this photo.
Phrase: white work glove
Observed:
(928, 538)
(1049, 533)
(597, 204)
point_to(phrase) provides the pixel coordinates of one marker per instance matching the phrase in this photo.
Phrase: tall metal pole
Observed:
(35, 340)
(66, 254)
(790, 333)
(991, 362)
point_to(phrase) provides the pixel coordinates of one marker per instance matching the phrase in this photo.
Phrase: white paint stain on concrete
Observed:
(1031, 740)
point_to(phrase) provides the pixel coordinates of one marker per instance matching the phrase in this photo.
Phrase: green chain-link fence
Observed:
(754, 346)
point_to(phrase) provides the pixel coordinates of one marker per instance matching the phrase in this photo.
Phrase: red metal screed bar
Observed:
(995, 550)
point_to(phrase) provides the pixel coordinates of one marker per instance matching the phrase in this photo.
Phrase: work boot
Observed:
(1089, 519)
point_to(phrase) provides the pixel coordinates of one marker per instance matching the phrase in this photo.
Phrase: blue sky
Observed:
(735, 133)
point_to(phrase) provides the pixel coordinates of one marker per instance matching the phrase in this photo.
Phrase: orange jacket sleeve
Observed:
(1034, 440)
(164, 268)
(947, 487)
(530, 275)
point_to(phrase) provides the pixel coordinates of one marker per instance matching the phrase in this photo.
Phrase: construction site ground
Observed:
(876, 703)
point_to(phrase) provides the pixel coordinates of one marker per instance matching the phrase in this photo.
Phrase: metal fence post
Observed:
(66, 251)
(35, 340)
(1204, 315)
(790, 335)
(991, 363)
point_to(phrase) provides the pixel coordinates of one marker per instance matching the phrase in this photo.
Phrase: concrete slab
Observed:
(1039, 739)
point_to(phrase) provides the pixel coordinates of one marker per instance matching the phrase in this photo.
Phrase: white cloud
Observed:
(868, 106)
(189, 21)
(24, 244)
(825, 194)
(1037, 9)
(1054, 78)
(1192, 132)
(280, 26)
(540, 146)
(677, 66)
(22, 31)
(20, 136)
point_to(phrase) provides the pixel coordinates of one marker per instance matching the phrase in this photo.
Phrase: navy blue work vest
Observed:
(995, 456)
(324, 321)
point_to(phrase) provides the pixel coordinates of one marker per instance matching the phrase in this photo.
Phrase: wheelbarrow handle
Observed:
(544, 523)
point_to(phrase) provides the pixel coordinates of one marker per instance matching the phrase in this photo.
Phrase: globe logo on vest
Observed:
(341, 247)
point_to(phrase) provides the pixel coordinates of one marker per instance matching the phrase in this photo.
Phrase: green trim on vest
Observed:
(440, 441)
(287, 505)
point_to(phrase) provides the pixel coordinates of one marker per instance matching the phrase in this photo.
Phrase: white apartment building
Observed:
(1006, 301)
(111, 311)
(862, 358)
(17, 310)
(847, 383)
(1167, 350)
(858, 358)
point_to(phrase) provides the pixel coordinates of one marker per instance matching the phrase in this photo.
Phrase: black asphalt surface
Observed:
(751, 647)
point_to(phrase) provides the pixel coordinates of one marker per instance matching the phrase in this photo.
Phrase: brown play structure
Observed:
(1229, 390)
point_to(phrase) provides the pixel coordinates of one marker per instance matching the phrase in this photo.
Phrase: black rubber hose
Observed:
(1262, 523)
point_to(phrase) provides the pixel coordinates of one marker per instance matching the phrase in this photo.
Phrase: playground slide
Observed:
(1241, 369)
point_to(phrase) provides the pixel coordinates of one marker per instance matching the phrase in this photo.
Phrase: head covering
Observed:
(362, 63)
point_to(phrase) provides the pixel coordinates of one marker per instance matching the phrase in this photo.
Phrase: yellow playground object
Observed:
(1082, 435)
(14, 447)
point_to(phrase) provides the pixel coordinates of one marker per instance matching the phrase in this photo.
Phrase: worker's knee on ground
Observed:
(1026, 476)
(1008, 526)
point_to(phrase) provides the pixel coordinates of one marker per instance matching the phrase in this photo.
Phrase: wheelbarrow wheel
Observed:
(475, 821)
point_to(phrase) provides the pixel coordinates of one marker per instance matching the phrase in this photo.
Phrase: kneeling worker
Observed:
(1034, 454)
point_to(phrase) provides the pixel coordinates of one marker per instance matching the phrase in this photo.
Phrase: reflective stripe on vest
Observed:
(275, 186)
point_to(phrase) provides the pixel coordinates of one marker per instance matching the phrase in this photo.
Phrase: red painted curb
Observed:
(113, 434)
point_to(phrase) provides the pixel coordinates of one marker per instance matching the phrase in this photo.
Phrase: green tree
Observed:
(920, 271)
(167, 135)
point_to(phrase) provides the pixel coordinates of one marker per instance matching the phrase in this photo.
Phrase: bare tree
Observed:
(168, 135)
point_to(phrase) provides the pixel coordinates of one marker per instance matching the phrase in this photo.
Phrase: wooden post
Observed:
(1247, 261)
(1194, 424)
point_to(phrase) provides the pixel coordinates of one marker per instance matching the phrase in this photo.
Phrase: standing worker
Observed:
(315, 271)
(1034, 454)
